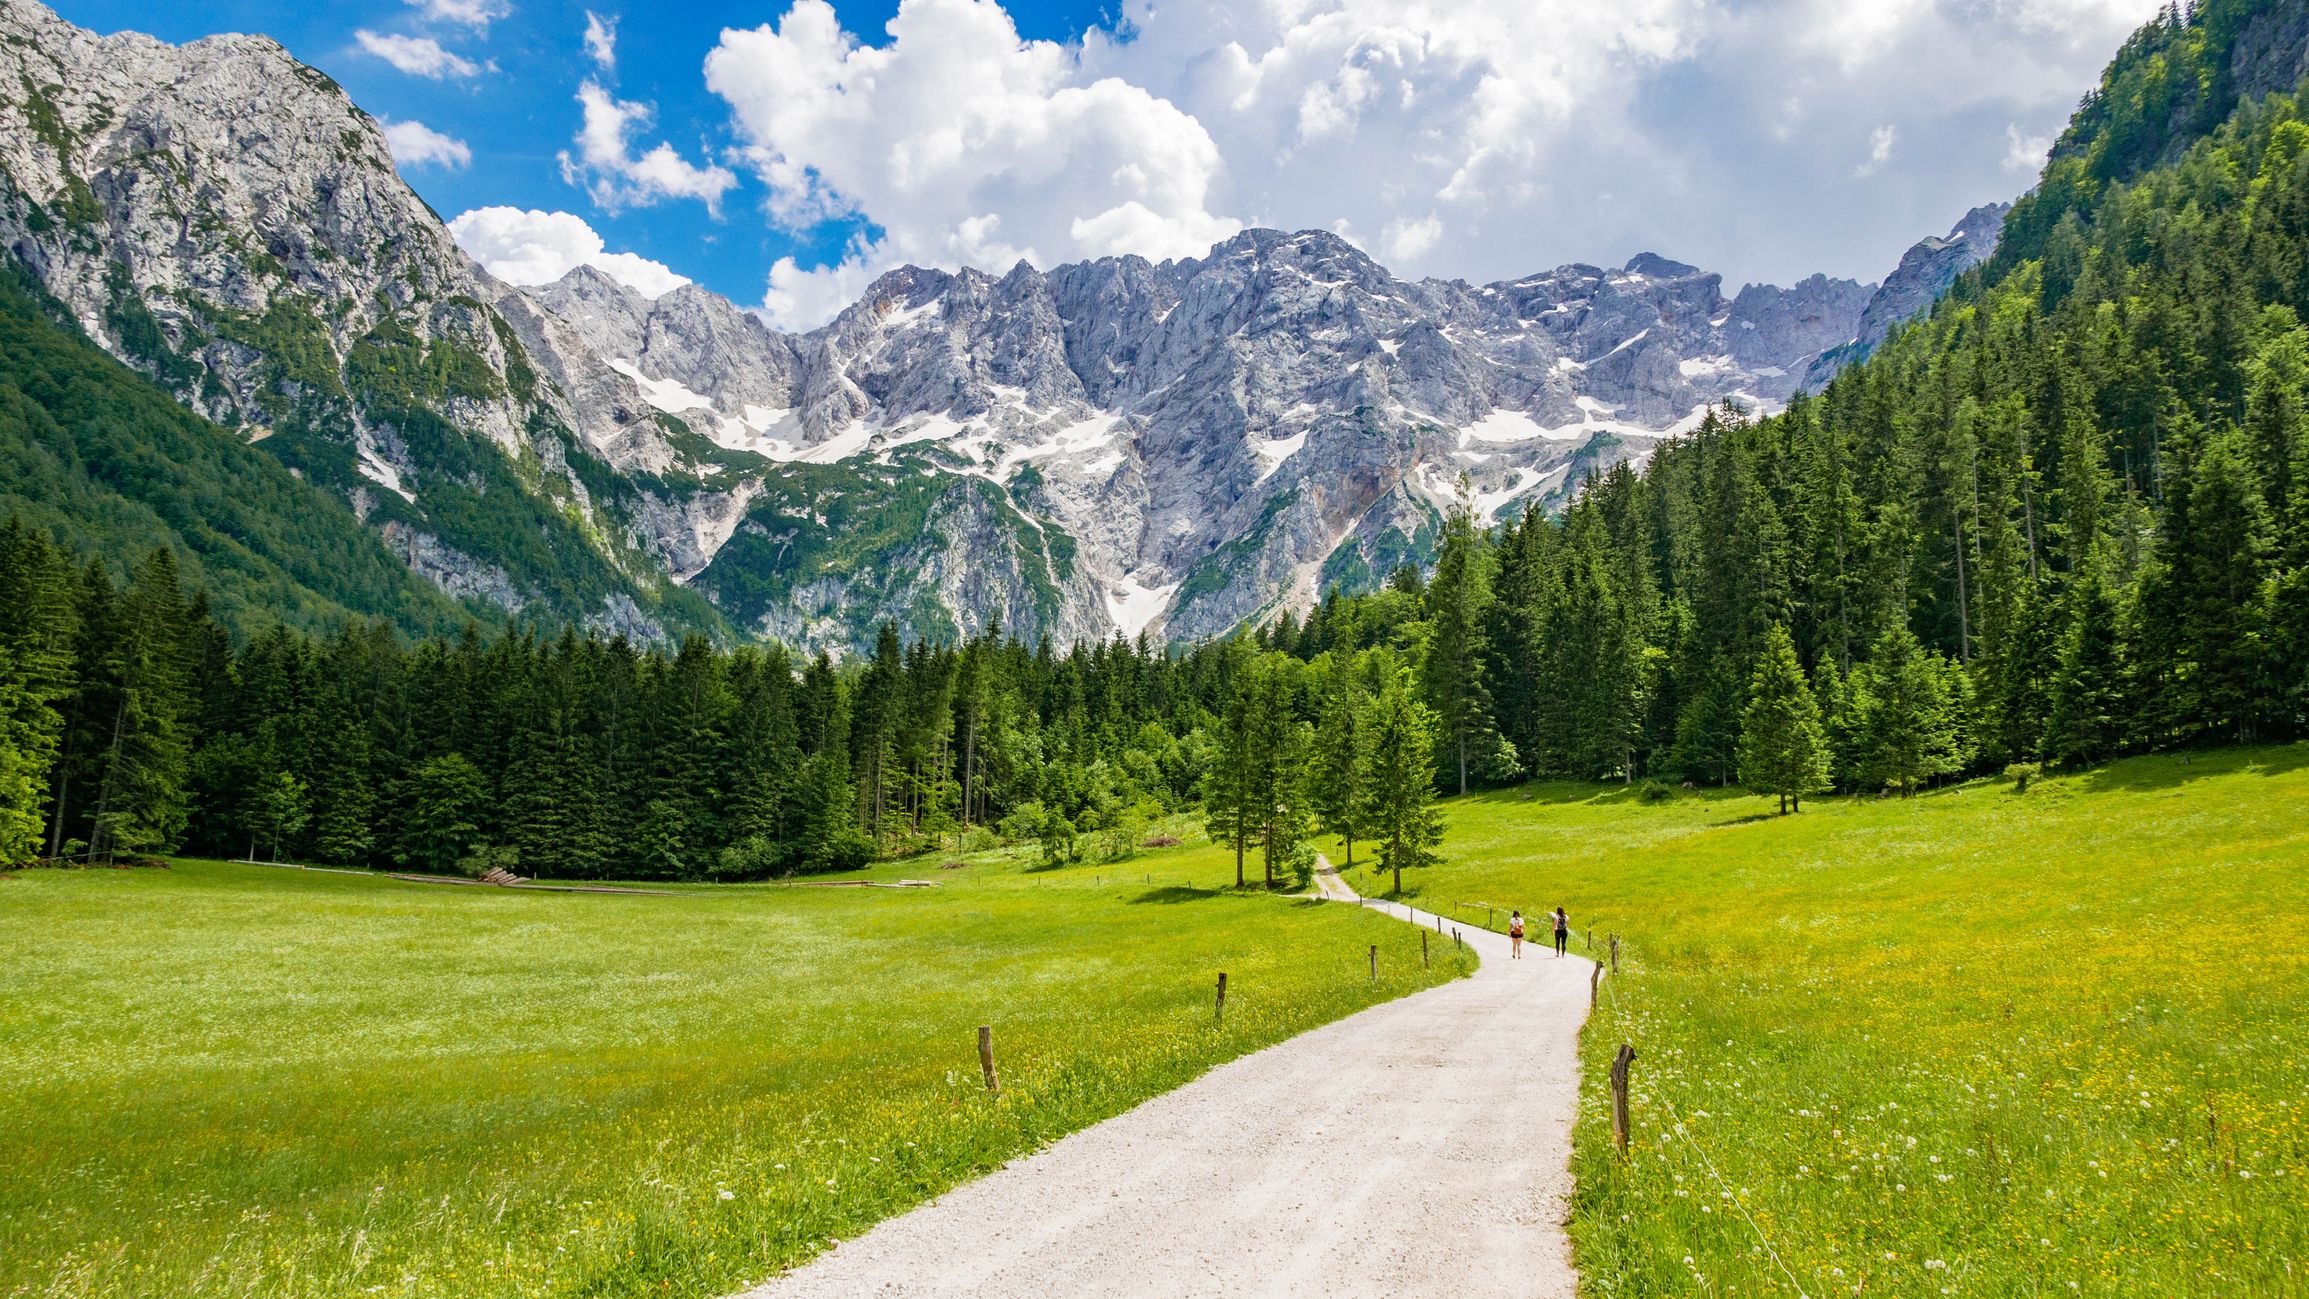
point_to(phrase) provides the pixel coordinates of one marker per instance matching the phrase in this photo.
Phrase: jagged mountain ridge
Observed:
(1217, 436)
(224, 219)
(1925, 272)
(1106, 446)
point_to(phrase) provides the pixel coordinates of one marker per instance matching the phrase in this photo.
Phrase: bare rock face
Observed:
(1108, 447)
(223, 218)
(1925, 272)
(1183, 446)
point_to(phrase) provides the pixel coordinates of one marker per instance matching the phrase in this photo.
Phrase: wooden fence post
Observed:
(1619, 1096)
(1423, 961)
(986, 1057)
(1374, 962)
(1615, 953)
(1594, 978)
(1221, 1012)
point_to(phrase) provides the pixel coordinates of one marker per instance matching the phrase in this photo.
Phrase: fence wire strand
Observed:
(1692, 1139)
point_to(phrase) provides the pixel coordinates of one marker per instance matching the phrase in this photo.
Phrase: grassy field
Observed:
(1981, 1043)
(232, 1080)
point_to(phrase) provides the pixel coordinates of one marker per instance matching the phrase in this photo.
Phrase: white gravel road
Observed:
(1421, 1147)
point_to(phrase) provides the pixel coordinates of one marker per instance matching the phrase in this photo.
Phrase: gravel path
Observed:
(1419, 1147)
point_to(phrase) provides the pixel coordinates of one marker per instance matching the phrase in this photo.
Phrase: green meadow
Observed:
(1977, 1043)
(234, 1080)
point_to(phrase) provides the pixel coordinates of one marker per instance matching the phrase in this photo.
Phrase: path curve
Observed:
(1418, 1147)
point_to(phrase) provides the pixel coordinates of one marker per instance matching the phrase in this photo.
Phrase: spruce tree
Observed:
(446, 799)
(1783, 749)
(35, 677)
(2084, 722)
(1335, 759)
(145, 764)
(1399, 812)
(1232, 777)
(2221, 552)
(1910, 733)
(282, 806)
(1458, 603)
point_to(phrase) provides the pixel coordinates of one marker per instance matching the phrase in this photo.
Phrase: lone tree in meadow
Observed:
(1783, 748)
(1399, 779)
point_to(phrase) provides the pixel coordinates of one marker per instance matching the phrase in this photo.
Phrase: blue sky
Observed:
(517, 119)
(808, 145)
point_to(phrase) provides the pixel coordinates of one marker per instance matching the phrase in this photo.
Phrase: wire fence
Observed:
(1497, 915)
(1688, 1137)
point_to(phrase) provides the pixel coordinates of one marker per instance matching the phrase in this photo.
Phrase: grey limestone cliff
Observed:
(1108, 447)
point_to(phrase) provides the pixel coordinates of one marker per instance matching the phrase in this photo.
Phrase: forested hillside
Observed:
(2065, 517)
(110, 465)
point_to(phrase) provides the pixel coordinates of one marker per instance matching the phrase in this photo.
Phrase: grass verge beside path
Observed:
(233, 1080)
(1977, 1044)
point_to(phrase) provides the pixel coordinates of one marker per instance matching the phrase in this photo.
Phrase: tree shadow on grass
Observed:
(2165, 771)
(1172, 894)
(1570, 793)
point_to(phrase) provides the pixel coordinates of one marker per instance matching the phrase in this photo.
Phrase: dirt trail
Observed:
(1419, 1147)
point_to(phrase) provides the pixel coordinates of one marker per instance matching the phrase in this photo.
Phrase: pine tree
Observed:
(282, 806)
(1232, 777)
(2084, 722)
(826, 833)
(35, 677)
(2221, 546)
(446, 799)
(1708, 729)
(874, 727)
(1909, 731)
(1335, 765)
(1279, 743)
(141, 796)
(1399, 812)
(1783, 750)
(2289, 616)
(1458, 608)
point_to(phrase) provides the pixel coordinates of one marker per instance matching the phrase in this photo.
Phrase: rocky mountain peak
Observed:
(1925, 272)
(1108, 446)
(1658, 267)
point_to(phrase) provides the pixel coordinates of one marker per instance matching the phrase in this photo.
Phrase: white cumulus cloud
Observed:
(531, 247)
(1476, 138)
(1880, 143)
(419, 56)
(963, 143)
(601, 39)
(415, 144)
(615, 178)
(2025, 153)
(477, 14)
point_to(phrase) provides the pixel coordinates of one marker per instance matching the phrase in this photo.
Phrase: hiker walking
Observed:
(1562, 931)
(1515, 936)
